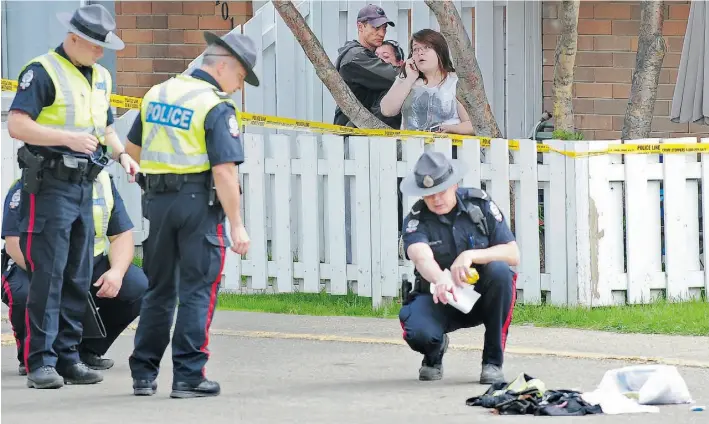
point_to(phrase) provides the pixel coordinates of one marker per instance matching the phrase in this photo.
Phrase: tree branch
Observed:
(648, 63)
(345, 99)
(564, 60)
(471, 90)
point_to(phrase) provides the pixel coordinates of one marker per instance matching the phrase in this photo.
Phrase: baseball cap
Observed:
(374, 15)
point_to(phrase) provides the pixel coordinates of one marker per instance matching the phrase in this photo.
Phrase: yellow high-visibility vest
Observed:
(78, 106)
(173, 115)
(102, 207)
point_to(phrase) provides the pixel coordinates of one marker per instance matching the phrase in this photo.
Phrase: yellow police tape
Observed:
(253, 119)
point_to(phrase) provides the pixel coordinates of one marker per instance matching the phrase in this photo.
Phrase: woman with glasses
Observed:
(425, 90)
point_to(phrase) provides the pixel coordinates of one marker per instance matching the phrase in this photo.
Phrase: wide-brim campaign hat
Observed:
(242, 47)
(433, 173)
(93, 23)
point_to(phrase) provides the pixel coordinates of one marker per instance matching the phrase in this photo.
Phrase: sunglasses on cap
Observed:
(398, 51)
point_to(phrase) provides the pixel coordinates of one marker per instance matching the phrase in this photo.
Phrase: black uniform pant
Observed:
(424, 323)
(116, 313)
(186, 238)
(57, 241)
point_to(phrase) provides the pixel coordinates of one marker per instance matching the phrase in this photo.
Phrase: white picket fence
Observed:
(603, 232)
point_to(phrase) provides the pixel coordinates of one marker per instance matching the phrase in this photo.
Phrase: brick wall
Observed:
(607, 46)
(163, 37)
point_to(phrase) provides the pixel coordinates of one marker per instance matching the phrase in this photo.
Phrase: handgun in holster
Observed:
(406, 288)
(31, 166)
(4, 260)
(97, 166)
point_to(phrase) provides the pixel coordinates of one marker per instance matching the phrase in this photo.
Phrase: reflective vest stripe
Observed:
(179, 157)
(104, 206)
(66, 89)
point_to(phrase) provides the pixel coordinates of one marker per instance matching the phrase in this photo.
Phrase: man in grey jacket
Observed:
(367, 75)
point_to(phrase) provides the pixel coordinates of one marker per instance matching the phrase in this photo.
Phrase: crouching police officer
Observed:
(455, 228)
(118, 285)
(188, 141)
(61, 112)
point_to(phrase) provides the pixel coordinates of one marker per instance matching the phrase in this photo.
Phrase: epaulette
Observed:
(476, 193)
(222, 95)
(417, 207)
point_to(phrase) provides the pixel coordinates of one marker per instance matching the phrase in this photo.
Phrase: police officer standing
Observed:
(188, 141)
(455, 228)
(61, 111)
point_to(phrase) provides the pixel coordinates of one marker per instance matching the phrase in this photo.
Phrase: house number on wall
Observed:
(225, 12)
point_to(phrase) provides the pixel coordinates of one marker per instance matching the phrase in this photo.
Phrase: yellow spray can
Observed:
(472, 279)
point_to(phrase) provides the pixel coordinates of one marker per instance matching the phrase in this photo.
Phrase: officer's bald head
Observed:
(224, 67)
(81, 51)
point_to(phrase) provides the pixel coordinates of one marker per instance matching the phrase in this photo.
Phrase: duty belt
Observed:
(73, 169)
(161, 183)
(62, 167)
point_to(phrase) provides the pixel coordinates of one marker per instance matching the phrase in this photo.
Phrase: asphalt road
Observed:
(289, 369)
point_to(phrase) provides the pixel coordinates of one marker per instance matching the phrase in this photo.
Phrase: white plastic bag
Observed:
(467, 296)
(649, 384)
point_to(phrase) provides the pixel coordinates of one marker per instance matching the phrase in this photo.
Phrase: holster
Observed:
(32, 166)
(4, 260)
(406, 288)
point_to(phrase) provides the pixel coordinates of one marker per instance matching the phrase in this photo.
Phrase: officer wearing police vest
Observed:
(117, 285)
(455, 228)
(188, 141)
(61, 112)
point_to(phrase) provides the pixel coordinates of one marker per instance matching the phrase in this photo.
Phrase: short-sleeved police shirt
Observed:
(119, 221)
(451, 234)
(223, 145)
(38, 92)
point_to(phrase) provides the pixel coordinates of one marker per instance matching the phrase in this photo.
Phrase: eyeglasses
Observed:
(421, 49)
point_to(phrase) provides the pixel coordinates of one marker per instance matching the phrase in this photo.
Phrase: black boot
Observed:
(205, 388)
(44, 377)
(80, 373)
(144, 387)
(432, 366)
(95, 362)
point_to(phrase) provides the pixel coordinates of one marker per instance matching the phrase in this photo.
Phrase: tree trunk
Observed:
(651, 53)
(564, 60)
(345, 99)
(471, 90)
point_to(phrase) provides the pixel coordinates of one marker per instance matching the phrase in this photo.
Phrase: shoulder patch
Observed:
(233, 126)
(26, 79)
(412, 225)
(15, 200)
(495, 211)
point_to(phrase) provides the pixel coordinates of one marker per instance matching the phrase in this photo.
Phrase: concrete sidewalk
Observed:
(292, 369)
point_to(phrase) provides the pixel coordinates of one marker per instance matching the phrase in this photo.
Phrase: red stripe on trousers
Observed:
(508, 321)
(28, 257)
(213, 296)
(8, 293)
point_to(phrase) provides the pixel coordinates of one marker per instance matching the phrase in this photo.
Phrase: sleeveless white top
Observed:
(425, 107)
